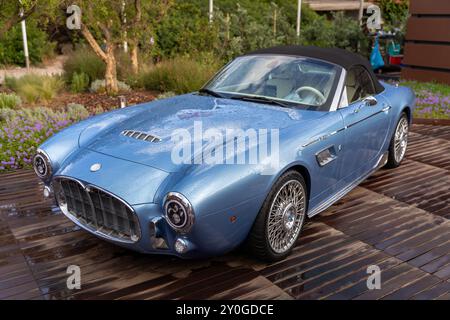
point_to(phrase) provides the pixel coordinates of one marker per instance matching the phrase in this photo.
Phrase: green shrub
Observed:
(185, 29)
(79, 82)
(84, 61)
(97, 110)
(246, 25)
(124, 69)
(165, 95)
(86, 64)
(395, 17)
(77, 111)
(179, 75)
(347, 34)
(238, 27)
(35, 88)
(99, 86)
(39, 47)
(9, 101)
(395, 13)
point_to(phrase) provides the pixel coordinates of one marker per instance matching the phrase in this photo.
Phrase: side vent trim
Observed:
(138, 135)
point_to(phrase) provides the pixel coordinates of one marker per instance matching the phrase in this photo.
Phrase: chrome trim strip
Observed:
(90, 229)
(370, 116)
(386, 109)
(326, 136)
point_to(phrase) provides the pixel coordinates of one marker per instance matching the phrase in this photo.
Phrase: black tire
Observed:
(258, 240)
(393, 161)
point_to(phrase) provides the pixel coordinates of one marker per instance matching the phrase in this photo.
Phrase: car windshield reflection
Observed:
(283, 80)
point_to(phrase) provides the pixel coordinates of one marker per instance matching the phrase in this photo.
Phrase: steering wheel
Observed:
(320, 98)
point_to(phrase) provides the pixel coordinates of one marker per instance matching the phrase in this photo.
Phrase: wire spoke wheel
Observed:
(401, 139)
(286, 216)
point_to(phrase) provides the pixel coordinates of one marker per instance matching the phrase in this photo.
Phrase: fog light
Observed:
(180, 246)
(47, 192)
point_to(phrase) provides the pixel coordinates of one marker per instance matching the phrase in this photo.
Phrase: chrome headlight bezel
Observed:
(42, 160)
(177, 199)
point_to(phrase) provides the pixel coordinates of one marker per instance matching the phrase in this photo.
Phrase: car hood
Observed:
(162, 118)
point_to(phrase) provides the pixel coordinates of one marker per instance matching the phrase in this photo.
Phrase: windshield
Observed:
(298, 81)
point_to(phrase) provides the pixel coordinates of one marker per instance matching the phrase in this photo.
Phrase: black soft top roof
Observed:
(341, 57)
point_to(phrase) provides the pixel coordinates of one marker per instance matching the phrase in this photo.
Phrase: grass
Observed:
(83, 62)
(79, 83)
(99, 86)
(10, 101)
(433, 87)
(179, 75)
(34, 88)
(83, 67)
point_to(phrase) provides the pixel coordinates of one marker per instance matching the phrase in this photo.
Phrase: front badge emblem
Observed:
(95, 167)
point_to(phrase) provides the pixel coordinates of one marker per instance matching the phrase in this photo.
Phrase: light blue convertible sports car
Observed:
(276, 136)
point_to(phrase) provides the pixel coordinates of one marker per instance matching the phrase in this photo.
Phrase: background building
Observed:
(336, 5)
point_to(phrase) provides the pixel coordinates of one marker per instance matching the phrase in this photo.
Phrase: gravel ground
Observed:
(55, 67)
(95, 100)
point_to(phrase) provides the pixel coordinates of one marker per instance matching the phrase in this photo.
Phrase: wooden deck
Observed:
(398, 220)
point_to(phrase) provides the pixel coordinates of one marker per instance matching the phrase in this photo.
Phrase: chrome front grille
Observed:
(139, 135)
(97, 210)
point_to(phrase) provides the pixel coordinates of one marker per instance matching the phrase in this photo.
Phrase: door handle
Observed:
(386, 108)
(369, 102)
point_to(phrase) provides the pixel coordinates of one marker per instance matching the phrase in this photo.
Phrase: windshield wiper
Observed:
(246, 98)
(210, 92)
(262, 100)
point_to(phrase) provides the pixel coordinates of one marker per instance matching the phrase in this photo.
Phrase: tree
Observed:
(142, 17)
(101, 27)
(10, 13)
(104, 28)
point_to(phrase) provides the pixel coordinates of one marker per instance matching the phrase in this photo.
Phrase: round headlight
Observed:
(41, 164)
(178, 212)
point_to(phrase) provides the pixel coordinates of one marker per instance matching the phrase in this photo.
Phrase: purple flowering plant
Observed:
(432, 105)
(433, 100)
(23, 130)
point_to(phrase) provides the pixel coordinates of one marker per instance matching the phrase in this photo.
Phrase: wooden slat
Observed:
(437, 7)
(428, 29)
(428, 55)
(423, 27)
(425, 75)
(432, 122)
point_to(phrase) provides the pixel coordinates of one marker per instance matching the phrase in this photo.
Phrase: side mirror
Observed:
(371, 101)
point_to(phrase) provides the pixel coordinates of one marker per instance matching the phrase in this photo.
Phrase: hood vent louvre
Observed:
(139, 135)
